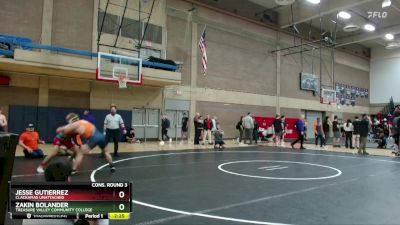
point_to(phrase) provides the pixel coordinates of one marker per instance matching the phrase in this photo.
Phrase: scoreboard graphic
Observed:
(109, 200)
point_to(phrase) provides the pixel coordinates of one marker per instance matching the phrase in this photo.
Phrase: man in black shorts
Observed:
(184, 131)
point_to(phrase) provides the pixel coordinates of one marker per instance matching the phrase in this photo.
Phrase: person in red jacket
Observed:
(208, 126)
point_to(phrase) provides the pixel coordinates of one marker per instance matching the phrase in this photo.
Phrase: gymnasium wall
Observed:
(238, 49)
(69, 99)
(18, 96)
(385, 69)
(291, 66)
(21, 18)
(179, 44)
(72, 25)
(237, 63)
(135, 96)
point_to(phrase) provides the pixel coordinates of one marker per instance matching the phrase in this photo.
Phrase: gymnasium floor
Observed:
(256, 185)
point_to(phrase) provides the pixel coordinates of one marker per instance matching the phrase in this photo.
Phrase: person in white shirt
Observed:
(248, 125)
(3, 121)
(214, 124)
(112, 123)
(348, 130)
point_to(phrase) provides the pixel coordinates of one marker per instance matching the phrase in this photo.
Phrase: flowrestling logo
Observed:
(376, 14)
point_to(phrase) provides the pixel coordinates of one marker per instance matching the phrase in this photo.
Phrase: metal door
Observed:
(139, 122)
(171, 115)
(175, 118)
(311, 117)
(152, 123)
(146, 123)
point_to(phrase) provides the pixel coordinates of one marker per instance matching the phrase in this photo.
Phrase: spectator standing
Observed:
(239, 127)
(255, 130)
(165, 125)
(185, 127)
(214, 123)
(277, 129)
(356, 133)
(336, 132)
(112, 123)
(3, 121)
(326, 128)
(396, 129)
(365, 126)
(300, 128)
(348, 131)
(305, 121)
(29, 141)
(88, 116)
(248, 126)
(208, 127)
(319, 133)
(201, 129)
(197, 122)
(284, 128)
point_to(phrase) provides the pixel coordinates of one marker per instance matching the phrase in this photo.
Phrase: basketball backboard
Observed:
(110, 67)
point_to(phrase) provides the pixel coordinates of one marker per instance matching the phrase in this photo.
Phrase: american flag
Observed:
(203, 49)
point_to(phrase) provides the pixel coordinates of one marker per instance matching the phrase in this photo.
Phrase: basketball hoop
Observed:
(122, 80)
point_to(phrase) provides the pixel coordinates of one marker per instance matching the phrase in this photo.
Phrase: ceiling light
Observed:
(351, 28)
(369, 27)
(392, 45)
(284, 2)
(389, 36)
(344, 15)
(386, 3)
(313, 1)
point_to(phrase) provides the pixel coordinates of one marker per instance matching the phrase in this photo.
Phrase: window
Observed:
(153, 33)
(130, 28)
(110, 25)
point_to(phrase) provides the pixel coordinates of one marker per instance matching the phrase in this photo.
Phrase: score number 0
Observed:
(121, 195)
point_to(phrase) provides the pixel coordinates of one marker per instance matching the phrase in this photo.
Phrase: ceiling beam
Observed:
(368, 36)
(307, 13)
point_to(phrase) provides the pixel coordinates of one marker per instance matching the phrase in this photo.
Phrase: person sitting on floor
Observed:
(381, 138)
(218, 138)
(29, 141)
(131, 137)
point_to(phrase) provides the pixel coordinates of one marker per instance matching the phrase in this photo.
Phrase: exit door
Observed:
(146, 123)
(311, 117)
(175, 118)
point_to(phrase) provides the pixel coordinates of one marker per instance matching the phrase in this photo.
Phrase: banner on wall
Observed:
(347, 94)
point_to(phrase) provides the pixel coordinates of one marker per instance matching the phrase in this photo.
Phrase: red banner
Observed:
(266, 122)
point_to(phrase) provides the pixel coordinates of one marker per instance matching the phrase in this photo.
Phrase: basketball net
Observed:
(122, 80)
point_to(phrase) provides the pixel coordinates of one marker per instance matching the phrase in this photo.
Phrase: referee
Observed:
(112, 123)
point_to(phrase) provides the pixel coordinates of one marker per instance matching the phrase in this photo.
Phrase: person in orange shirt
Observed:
(29, 141)
(319, 133)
